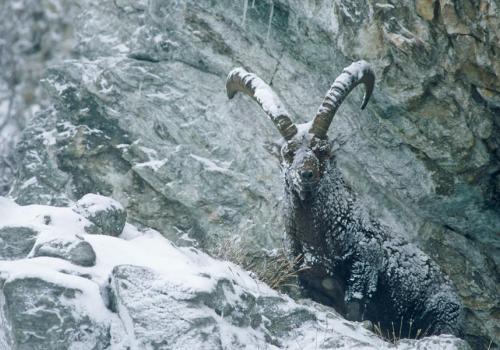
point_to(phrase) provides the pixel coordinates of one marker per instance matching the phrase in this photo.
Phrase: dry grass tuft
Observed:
(391, 335)
(274, 268)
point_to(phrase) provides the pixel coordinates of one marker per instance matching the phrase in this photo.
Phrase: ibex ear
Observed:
(274, 148)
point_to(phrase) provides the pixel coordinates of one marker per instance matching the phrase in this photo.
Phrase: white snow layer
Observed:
(92, 203)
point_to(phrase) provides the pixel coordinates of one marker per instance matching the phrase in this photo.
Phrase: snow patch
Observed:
(210, 165)
(91, 204)
(154, 165)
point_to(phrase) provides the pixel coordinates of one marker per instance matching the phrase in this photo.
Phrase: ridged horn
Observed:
(357, 73)
(239, 80)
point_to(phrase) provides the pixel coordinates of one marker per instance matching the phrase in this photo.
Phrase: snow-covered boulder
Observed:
(107, 215)
(48, 311)
(16, 241)
(77, 251)
(224, 313)
(144, 292)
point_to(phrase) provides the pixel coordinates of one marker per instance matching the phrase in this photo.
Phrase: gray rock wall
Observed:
(33, 34)
(143, 117)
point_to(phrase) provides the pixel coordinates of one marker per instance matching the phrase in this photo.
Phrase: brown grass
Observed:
(393, 336)
(275, 268)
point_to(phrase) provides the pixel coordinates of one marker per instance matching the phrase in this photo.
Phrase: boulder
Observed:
(76, 251)
(41, 315)
(107, 215)
(16, 241)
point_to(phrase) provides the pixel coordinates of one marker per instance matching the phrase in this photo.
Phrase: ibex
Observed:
(354, 263)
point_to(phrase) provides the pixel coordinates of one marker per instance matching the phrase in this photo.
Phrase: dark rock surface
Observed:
(16, 242)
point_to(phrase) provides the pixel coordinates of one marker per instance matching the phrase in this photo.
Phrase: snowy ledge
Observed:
(63, 285)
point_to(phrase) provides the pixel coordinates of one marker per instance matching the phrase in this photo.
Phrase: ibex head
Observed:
(306, 148)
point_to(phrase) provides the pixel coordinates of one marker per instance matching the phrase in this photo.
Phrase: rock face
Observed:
(34, 34)
(44, 315)
(16, 242)
(143, 117)
(76, 251)
(146, 293)
(158, 312)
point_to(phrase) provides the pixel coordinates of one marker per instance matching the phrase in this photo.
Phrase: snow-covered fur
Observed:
(353, 263)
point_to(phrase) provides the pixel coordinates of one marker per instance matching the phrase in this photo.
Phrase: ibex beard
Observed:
(353, 263)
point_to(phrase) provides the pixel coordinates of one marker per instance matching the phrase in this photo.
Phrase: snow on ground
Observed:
(187, 271)
(149, 249)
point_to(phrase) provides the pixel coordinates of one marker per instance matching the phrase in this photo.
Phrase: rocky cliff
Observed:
(140, 114)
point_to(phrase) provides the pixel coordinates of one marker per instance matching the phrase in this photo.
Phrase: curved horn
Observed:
(357, 73)
(239, 80)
